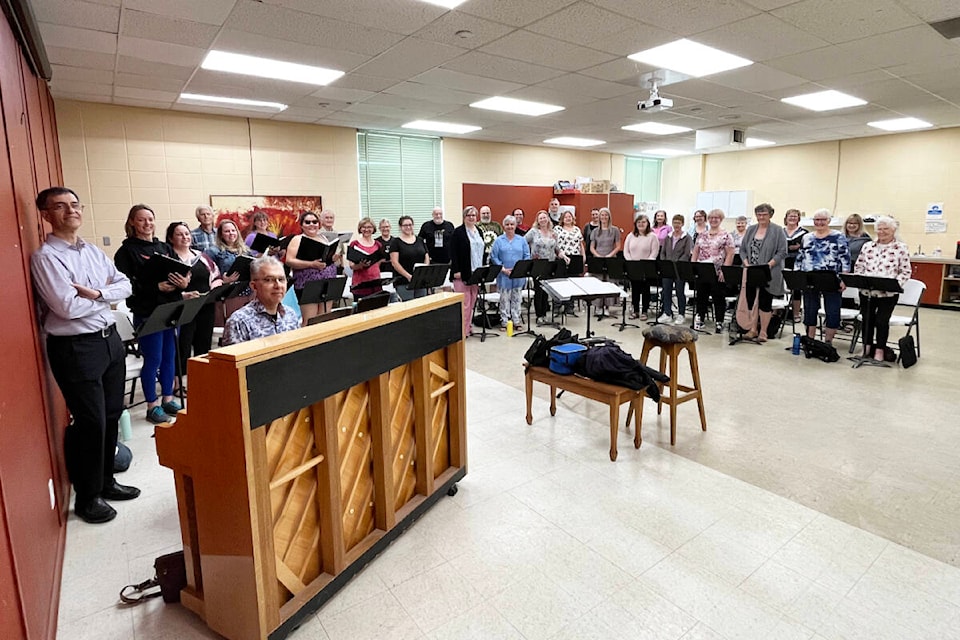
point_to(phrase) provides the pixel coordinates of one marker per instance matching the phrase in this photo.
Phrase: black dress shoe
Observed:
(95, 511)
(118, 491)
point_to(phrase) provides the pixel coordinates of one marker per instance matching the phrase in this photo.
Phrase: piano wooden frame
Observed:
(301, 456)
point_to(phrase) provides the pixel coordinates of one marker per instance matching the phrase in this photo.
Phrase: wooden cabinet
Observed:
(620, 204)
(942, 277)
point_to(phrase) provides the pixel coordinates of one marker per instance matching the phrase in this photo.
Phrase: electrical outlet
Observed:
(106, 241)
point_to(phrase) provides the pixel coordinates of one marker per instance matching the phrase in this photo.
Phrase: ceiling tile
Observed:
(209, 11)
(683, 17)
(410, 57)
(149, 104)
(149, 82)
(165, 52)
(433, 93)
(150, 26)
(582, 23)
(364, 82)
(76, 58)
(82, 39)
(898, 47)
(551, 94)
(935, 81)
(760, 38)
(841, 20)
(421, 109)
(623, 70)
(757, 78)
(513, 12)
(237, 86)
(339, 94)
(66, 85)
(821, 64)
(257, 45)
(126, 64)
(445, 29)
(768, 5)
(84, 15)
(145, 94)
(712, 93)
(636, 38)
(575, 83)
(296, 26)
(83, 74)
(932, 10)
(928, 65)
(398, 16)
(888, 93)
(501, 68)
(465, 82)
(542, 50)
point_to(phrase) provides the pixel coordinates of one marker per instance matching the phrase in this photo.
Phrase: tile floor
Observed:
(729, 535)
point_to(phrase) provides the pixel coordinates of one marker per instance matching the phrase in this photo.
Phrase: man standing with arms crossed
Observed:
(75, 283)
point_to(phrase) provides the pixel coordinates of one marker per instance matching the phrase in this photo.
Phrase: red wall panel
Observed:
(503, 199)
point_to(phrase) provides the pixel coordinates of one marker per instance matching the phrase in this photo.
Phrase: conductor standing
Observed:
(75, 283)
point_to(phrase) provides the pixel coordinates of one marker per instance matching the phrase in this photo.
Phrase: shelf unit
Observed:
(942, 277)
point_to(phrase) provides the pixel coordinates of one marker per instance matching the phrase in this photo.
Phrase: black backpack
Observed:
(538, 354)
(813, 348)
(611, 364)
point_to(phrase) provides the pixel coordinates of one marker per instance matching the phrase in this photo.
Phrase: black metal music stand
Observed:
(869, 283)
(429, 276)
(757, 276)
(524, 269)
(706, 274)
(683, 272)
(172, 315)
(644, 272)
(480, 277)
(323, 291)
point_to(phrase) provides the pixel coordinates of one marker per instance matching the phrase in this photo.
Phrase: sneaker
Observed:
(679, 319)
(171, 408)
(664, 319)
(157, 415)
(719, 327)
(697, 324)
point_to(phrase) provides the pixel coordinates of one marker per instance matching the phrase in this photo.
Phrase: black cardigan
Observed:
(460, 253)
(131, 259)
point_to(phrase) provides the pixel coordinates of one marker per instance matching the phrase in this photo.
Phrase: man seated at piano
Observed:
(265, 315)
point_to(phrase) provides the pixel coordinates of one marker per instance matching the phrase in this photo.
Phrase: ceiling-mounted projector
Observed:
(654, 103)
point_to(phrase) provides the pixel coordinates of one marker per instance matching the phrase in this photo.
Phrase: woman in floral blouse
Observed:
(713, 245)
(823, 250)
(543, 246)
(885, 257)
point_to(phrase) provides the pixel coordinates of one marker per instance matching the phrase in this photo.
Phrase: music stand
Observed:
(524, 269)
(480, 277)
(323, 291)
(705, 274)
(864, 283)
(373, 301)
(429, 276)
(173, 315)
(757, 276)
(642, 271)
(541, 269)
(341, 312)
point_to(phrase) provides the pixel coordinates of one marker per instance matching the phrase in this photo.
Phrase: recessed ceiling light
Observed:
(664, 152)
(657, 128)
(691, 58)
(900, 124)
(449, 4)
(513, 105)
(759, 142)
(574, 142)
(236, 103)
(442, 127)
(267, 68)
(824, 100)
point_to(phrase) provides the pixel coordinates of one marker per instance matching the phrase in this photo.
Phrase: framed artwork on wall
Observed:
(282, 211)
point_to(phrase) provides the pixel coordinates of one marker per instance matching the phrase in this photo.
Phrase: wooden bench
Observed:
(610, 394)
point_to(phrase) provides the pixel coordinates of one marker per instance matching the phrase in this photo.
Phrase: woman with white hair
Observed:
(885, 257)
(823, 250)
(507, 249)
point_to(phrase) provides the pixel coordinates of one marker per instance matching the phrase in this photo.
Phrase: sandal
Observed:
(634, 315)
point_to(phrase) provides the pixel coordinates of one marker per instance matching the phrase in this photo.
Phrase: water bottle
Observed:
(125, 431)
(796, 344)
(509, 328)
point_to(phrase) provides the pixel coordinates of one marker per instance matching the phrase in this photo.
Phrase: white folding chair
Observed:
(134, 361)
(912, 292)
(848, 315)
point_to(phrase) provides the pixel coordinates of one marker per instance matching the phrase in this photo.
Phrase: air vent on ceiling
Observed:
(949, 29)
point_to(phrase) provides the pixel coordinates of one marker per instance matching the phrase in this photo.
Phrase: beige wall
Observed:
(896, 174)
(498, 163)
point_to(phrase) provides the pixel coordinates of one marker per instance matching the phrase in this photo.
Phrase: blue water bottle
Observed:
(796, 344)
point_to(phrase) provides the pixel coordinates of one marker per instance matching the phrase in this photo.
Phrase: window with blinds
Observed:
(643, 179)
(399, 175)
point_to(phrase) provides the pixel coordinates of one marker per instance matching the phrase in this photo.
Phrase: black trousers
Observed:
(876, 312)
(196, 338)
(541, 301)
(90, 371)
(716, 291)
(640, 292)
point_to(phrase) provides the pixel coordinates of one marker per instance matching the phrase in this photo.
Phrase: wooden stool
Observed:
(672, 340)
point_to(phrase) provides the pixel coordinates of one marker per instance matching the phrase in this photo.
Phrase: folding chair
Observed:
(134, 360)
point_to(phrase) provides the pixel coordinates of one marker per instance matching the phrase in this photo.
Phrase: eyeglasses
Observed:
(407, 224)
(305, 222)
(272, 279)
(63, 206)
(816, 220)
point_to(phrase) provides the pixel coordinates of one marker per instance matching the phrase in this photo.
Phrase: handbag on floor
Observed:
(908, 351)
(169, 579)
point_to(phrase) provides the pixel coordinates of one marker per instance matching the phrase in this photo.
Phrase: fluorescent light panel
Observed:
(664, 152)
(759, 142)
(236, 103)
(513, 105)
(656, 128)
(574, 142)
(691, 58)
(442, 127)
(449, 4)
(267, 68)
(824, 101)
(900, 124)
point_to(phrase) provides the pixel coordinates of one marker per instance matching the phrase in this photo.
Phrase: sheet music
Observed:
(595, 286)
(585, 287)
